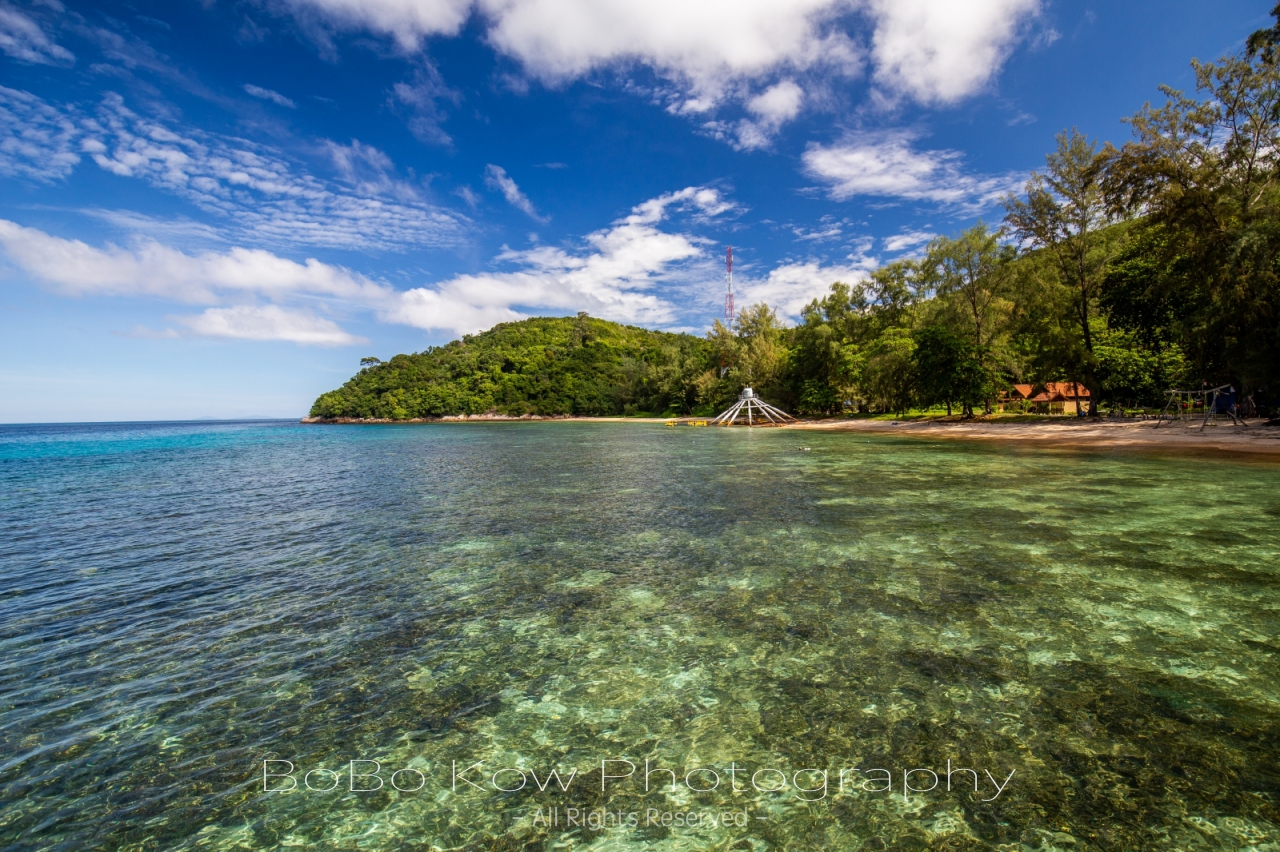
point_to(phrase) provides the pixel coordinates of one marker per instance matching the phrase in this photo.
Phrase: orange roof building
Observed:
(1063, 397)
(1051, 398)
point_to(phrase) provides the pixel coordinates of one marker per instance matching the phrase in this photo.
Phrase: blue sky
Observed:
(214, 209)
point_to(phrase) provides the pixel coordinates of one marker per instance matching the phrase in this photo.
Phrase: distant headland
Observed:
(546, 367)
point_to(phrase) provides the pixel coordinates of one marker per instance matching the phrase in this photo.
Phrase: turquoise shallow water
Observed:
(180, 603)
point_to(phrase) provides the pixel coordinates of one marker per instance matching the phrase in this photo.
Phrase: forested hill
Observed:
(548, 366)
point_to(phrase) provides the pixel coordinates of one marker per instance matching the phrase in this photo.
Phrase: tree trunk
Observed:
(1094, 387)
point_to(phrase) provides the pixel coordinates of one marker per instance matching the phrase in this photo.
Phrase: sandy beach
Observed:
(1256, 439)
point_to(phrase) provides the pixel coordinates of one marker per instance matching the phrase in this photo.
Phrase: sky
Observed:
(215, 208)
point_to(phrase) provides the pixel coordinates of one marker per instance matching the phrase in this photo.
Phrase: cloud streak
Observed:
(37, 141)
(265, 197)
(496, 178)
(151, 269)
(267, 322)
(889, 166)
(268, 95)
(791, 286)
(23, 39)
(613, 273)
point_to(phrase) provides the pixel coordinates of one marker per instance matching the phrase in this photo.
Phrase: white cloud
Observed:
(23, 39)
(268, 95)
(408, 21)
(264, 196)
(141, 332)
(827, 229)
(704, 45)
(268, 322)
(370, 172)
(37, 141)
(180, 230)
(703, 202)
(1044, 38)
(421, 96)
(940, 52)
(710, 51)
(907, 239)
(777, 104)
(614, 274)
(496, 177)
(887, 165)
(152, 269)
(790, 287)
(611, 278)
(771, 109)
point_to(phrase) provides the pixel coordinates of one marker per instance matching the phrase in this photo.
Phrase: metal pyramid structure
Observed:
(752, 411)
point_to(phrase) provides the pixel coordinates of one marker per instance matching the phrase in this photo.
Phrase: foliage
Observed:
(949, 369)
(888, 371)
(970, 271)
(1204, 175)
(546, 366)
(1137, 375)
(752, 353)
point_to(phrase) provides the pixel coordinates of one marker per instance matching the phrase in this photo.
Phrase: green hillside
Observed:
(548, 366)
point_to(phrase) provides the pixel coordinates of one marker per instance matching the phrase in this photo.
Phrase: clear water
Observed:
(179, 603)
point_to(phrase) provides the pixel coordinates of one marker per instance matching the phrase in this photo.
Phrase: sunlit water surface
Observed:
(179, 603)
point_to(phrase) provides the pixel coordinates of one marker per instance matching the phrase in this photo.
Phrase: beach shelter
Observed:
(752, 411)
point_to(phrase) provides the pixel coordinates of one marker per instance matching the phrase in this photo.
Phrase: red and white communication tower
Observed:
(728, 280)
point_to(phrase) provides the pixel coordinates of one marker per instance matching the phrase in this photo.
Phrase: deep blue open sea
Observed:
(806, 629)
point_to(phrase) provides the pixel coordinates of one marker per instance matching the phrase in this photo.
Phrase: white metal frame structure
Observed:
(756, 411)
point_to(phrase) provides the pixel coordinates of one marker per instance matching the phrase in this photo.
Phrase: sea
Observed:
(625, 636)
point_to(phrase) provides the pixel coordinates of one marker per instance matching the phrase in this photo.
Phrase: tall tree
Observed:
(821, 350)
(890, 293)
(1205, 176)
(1065, 213)
(887, 376)
(763, 353)
(831, 345)
(1263, 42)
(969, 269)
(970, 272)
(948, 369)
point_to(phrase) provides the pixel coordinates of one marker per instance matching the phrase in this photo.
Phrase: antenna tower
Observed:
(728, 280)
